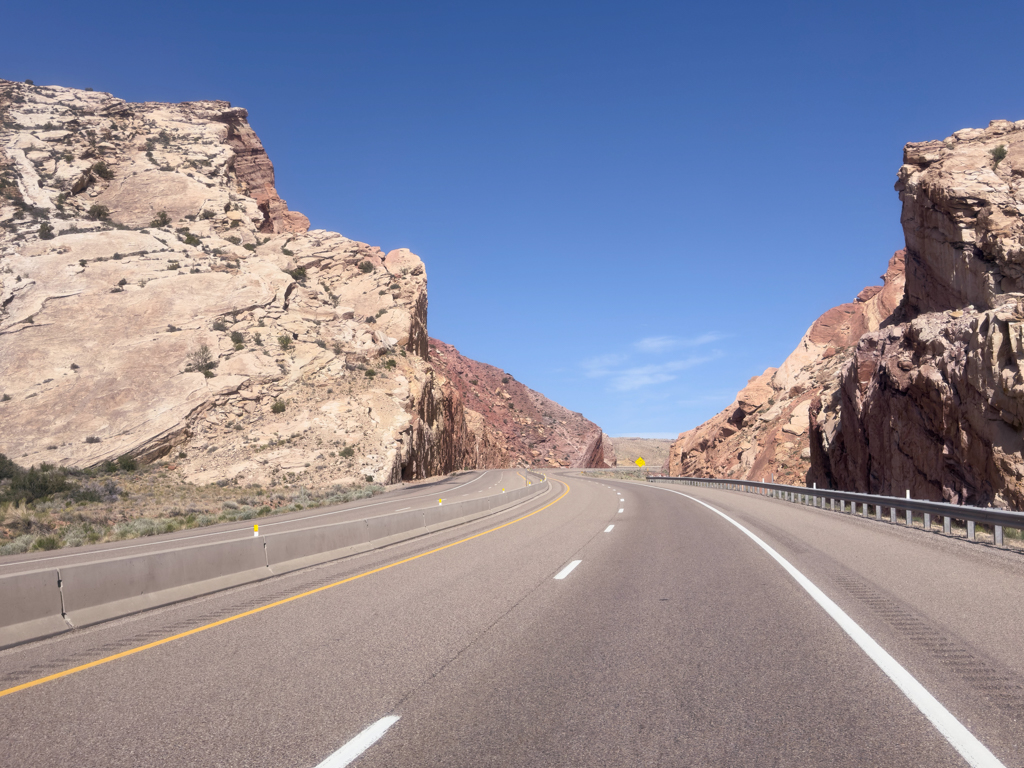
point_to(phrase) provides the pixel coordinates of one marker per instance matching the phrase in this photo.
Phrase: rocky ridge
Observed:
(935, 404)
(515, 426)
(158, 299)
(764, 433)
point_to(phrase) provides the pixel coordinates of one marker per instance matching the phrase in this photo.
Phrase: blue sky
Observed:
(631, 207)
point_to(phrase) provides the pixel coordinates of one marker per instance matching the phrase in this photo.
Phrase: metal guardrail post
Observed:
(998, 519)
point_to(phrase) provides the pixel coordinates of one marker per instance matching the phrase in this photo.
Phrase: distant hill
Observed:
(627, 449)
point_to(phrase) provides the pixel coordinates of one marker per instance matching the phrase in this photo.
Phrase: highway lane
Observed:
(455, 488)
(675, 640)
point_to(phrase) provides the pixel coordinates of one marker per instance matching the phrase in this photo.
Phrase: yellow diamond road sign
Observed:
(640, 462)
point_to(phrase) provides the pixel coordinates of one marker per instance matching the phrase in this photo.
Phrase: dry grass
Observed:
(150, 501)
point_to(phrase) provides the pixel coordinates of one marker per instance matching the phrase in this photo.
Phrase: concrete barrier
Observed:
(37, 604)
(108, 589)
(386, 526)
(292, 550)
(30, 607)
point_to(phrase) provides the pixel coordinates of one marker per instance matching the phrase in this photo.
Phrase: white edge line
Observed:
(354, 748)
(609, 528)
(961, 739)
(227, 531)
(567, 570)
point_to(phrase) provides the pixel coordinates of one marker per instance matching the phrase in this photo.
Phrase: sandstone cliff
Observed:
(935, 405)
(158, 299)
(764, 432)
(514, 425)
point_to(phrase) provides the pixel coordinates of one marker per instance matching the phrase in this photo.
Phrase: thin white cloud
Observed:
(656, 343)
(647, 375)
(662, 343)
(603, 365)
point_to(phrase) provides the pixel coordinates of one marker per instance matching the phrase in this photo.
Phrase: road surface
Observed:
(672, 637)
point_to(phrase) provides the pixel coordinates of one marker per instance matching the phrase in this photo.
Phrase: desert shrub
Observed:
(219, 325)
(278, 406)
(237, 337)
(18, 545)
(348, 453)
(287, 252)
(366, 267)
(370, 373)
(336, 348)
(92, 439)
(201, 359)
(298, 274)
(127, 463)
(234, 240)
(257, 339)
(207, 214)
(46, 543)
(998, 155)
(25, 486)
(98, 212)
(284, 341)
(101, 170)
(46, 231)
(321, 343)
(161, 220)
(249, 247)
(391, 364)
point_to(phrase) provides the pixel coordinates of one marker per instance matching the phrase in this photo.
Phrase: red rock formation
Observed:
(935, 405)
(516, 425)
(608, 451)
(255, 173)
(764, 433)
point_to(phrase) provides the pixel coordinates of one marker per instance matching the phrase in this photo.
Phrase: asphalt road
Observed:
(675, 640)
(460, 487)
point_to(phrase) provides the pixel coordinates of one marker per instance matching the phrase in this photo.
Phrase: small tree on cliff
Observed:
(998, 155)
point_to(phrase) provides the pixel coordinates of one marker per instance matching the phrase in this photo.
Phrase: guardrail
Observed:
(997, 518)
(49, 601)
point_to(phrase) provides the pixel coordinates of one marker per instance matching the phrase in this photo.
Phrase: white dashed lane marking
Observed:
(567, 570)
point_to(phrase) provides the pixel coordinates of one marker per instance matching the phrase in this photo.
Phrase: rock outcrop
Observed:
(515, 426)
(935, 404)
(158, 299)
(764, 433)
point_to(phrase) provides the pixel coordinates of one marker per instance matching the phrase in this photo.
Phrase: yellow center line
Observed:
(229, 619)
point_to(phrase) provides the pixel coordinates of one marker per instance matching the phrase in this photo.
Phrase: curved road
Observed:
(678, 638)
(459, 487)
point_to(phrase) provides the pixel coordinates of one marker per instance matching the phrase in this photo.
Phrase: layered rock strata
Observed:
(764, 433)
(514, 425)
(158, 299)
(935, 404)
